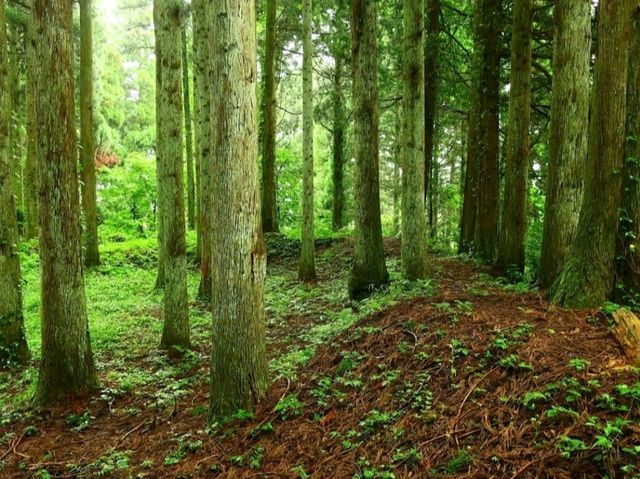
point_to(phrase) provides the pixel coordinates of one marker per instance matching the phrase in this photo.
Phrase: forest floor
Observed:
(460, 376)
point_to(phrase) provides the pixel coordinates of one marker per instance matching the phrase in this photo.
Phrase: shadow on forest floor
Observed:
(461, 376)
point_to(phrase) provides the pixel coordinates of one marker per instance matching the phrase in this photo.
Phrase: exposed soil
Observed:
(439, 386)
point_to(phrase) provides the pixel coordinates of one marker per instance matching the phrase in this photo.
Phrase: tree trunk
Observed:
(67, 366)
(414, 223)
(369, 268)
(511, 257)
(31, 164)
(470, 189)
(239, 373)
(568, 134)
(203, 124)
(87, 140)
(337, 166)
(15, 132)
(628, 254)
(488, 179)
(188, 130)
(431, 58)
(167, 15)
(13, 344)
(587, 277)
(397, 177)
(307, 269)
(269, 189)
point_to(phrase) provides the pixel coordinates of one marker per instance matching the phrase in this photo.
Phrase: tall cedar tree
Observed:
(568, 134)
(13, 344)
(514, 213)
(203, 143)
(31, 166)
(369, 268)
(87, 137)
(628, 266)
(470, 189)
(239, 373)
(188, 128)
(414, 222)
(167, 16)
(431, 61)
(339, 118)
(269, 193)
(587, 277)
(67, 366)
(488, 180)
(307, 268)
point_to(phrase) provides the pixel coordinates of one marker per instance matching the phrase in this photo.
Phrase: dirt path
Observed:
(475, 381)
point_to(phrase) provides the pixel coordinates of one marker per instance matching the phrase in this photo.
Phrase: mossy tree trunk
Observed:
(414, 222)
(431, 60)
(67, 366)
(31, 163)
(269, 187)
(587, 277)
(338, 160)
(13, 344)
(168, 15)
(340, 52)
(188, 129)
(87, 138)
(488, 178)
(511, 252)
(470, 188)
(239, 373)
(203, 145)
(568, 134)
(628, 254)
(307, 267)
(369, 267)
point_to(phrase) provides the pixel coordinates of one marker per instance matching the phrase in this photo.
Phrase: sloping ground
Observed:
(477, 381)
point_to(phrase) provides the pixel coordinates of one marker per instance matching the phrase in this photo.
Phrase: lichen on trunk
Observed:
(239, 373)
(167, 15)
(568, 135)
(13, 344)
(414, 221)
(587, 277)
(67, 366)
(369, 268)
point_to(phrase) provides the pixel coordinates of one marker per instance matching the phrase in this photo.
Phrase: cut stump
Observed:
(627, 332)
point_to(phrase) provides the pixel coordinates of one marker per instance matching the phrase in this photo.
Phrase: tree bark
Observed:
(87, 139)
(167, 15)
(369, 268)
(431, 59)
(67, 366)
(414, 223)
(488, 179)
(188, 129)
(470, 189)
(587, 277)
(628, 253)
(568, 135)
(511, 251)
(239, 373)
(307, 268)
(31, 164)
(203, 125)
(13, 344)
(269, 188)
(339, 126)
